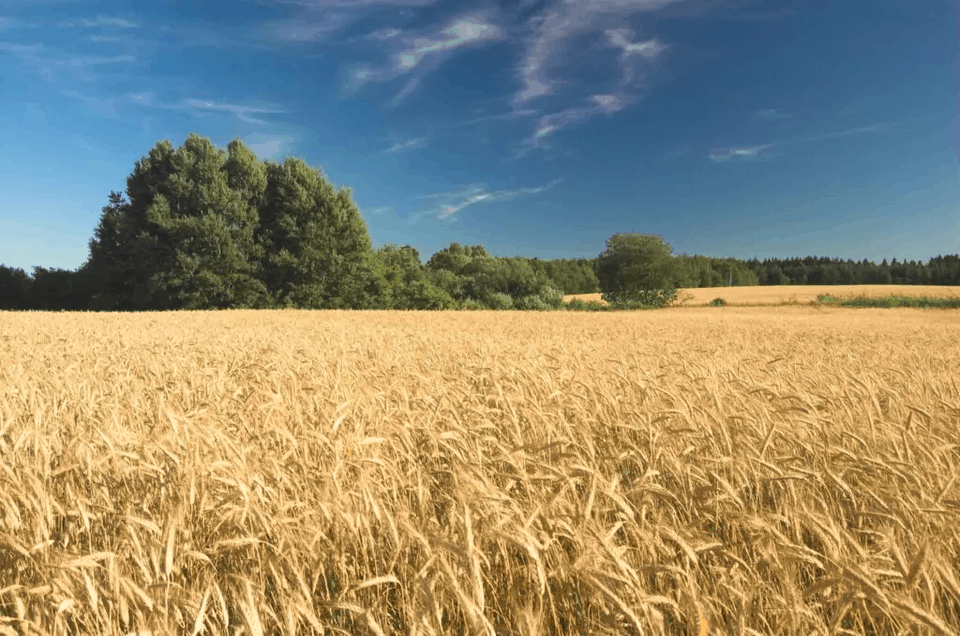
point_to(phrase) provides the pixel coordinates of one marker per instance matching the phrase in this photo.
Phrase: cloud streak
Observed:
(410, 51)
(560, 24)
(724, 155)
(409, 144)
(772, 114)
(100, 21)
(453, 201)
(553, 31)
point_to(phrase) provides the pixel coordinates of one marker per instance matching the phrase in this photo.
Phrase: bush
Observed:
(499, 301)
(642, 299)
(471, 304)
(548, 299)
(718, 302)
(532, 303)
(578, 305)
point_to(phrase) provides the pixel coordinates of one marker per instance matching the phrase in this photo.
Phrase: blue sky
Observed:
(741, 128)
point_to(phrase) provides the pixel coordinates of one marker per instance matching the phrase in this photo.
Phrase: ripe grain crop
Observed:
(762, 295)
(784, 470)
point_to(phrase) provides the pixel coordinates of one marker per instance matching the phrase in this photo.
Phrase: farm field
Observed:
(755, 295)
(752, 470)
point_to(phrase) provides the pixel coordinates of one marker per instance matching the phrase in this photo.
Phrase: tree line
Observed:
(203, 228)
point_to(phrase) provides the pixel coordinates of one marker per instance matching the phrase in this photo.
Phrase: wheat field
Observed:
(759, 295)
(777, 470)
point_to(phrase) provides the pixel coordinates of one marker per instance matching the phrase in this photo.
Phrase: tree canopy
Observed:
(638, 268)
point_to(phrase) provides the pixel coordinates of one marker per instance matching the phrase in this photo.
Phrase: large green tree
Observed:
(316, 244)
(185, 237)
(639, 268)
(208, 229)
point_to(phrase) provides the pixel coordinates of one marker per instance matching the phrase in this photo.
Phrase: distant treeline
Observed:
(470, 277)
(201, 228)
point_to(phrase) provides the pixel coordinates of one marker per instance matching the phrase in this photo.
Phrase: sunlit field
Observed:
(779, 294)
(774, 470)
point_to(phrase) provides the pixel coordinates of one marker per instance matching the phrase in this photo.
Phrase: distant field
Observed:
(781, 471)
(778, 294)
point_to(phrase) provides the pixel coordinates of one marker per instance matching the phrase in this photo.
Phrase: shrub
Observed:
(718, 302)
(471, 304)
(499, 301)
(551, 296)
(578, 305)
(642, 299)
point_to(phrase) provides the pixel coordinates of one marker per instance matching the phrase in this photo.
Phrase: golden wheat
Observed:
(759, 295)
(751, 471)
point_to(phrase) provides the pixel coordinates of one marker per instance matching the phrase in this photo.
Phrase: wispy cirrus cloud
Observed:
(409, 144)
(97, 60)
(771, 114)
(308, 29)
(455, 200)
(100, 21)
(383, 34)
(726, 154)
(552, 33)
(751, 152)
(21, 49)
(243, 113)
(107, 106)
(554, 29)
(411, 50)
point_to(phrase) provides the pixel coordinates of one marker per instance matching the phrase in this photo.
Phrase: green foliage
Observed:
(15, 287)
(208, 229)
(578, 305)
(637, 268)
(718, 302)
(471, 304)
(316, 245)
(402, 269)
(499, 301)
(549, 299)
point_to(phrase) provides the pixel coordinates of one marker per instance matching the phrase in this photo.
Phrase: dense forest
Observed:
(200, 228)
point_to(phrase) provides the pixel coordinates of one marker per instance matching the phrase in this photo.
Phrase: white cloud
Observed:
(552, 33)
(20, 49)
(619, 37)
(409, 144)
(411, 51)
(383, 34)
(452, 201)
(726, 154)
(462, 32)
(242, 112)
(100, 21)
(145, 98)
(558, 25)
(93, 61)
(302, 30)
(772, 113)
(268, 146)
(751, 152)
